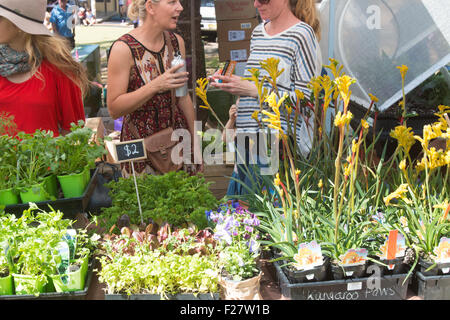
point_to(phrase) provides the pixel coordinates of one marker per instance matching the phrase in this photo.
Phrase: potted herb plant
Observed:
(35, 155)
(235, 229)
(76, 154)
(8, 171)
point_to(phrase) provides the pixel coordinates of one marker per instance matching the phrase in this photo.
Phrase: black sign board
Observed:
(130, 150)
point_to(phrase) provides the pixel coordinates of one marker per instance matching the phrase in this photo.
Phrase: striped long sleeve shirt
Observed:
(299, 54)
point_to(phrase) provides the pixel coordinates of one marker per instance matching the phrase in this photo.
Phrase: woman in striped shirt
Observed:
(290, 33)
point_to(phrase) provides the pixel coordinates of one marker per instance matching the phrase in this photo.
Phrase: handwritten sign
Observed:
(132, 150)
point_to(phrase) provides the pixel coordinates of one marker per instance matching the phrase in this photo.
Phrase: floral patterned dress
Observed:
(156, 114)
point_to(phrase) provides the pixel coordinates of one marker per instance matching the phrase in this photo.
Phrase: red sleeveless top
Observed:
(156, 114)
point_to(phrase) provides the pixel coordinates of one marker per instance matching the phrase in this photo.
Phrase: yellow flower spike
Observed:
(271, 66)
(347, 169)
(343, 84)
(404, 136)
(300, 95)
(403, 70)
(315, 86)
(320, 184)
(333, 66)
(364, 124)
(255, 115)
(297, 172)
(343, 119)
(373, 98)
(402, 104)
(277, 180)
(271, 100)
(399, 193)
(402, 165)
(354, 146)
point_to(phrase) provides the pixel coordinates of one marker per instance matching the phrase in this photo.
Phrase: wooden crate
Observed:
(219, 176)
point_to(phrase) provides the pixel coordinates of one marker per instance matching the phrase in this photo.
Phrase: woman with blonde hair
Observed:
(290, 33)
(141, 81)
(40, 83)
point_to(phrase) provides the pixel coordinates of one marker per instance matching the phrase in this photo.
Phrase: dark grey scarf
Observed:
(12, 61)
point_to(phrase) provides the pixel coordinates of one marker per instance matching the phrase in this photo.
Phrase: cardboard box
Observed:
(236, 30)
(109, 145)
(234, 9)
(96, 125)
(234, 50)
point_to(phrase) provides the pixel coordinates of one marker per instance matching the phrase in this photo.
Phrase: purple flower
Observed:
(248, 229)
(253, 246)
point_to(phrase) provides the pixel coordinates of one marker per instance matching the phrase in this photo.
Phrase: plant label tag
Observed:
(70, 238)
(63, 267)
(353, 257)
(310, 276)
(354, 286)
(442, 252)
(132, 150)
(393, 247)
(309, 256)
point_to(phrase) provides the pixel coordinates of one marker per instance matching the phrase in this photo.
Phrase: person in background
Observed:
(141, 79)
(82, 15)
(90, 18)
(290, 32)
(122, 10)
(40, 83)
(63, 21)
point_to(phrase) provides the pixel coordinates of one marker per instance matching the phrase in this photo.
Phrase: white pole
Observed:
(137, 193)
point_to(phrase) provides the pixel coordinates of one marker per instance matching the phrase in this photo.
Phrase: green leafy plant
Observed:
(76, 150)
(158, 261)
(36, 153)
(175, 197)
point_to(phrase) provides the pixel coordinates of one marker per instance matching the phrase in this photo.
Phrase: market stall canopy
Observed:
(372, 37)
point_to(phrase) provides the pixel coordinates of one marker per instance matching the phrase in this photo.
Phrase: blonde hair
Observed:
(56, 51)
(306, 11)
(137, 9)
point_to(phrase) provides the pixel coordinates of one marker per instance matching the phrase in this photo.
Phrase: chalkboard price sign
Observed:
(130, 151)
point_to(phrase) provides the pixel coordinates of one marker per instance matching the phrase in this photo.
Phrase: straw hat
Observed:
(27, 15)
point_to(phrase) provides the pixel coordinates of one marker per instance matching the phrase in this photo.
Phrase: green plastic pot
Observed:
(26, 284)
(8, 197)
(87, 175)
(73, 185)
(35, 193)
(75, 280)
(6, 286)
(51, 186)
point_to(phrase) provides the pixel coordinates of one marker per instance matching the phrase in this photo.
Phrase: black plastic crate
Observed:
(391, 288)
(72, 295)
(433, 287)
(181, 296)
(69, 206)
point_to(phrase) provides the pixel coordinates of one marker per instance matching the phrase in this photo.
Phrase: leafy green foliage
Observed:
(175, 197)
(162, 262)
(30, 243)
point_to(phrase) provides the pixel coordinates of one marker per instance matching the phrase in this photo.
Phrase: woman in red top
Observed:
(40, 83)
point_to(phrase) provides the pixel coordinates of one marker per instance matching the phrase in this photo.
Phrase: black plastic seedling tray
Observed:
(433, 287)
(390, 288)
(68, 206)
